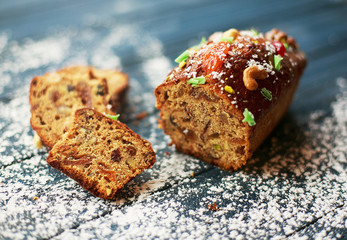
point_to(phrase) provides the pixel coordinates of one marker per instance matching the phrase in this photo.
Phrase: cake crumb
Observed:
(213, 207)
(167, 153)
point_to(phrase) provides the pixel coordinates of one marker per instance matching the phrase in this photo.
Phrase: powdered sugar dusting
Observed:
(305, 183)
(274, 198)
(294, 185)
(261, 65)
(156, 69)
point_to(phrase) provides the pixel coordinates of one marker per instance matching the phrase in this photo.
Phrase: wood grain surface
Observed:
(293, 187)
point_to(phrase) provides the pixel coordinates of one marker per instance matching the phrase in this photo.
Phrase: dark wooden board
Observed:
(295, 184)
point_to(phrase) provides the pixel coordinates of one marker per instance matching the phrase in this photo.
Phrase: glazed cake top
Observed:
(229, 60)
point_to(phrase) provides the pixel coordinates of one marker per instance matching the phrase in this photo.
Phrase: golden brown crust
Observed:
(228, 91)
(101, 154)
(54, 97)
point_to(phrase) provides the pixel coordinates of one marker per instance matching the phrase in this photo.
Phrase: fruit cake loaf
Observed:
(100, 153)
(54, 97)
(227, 94)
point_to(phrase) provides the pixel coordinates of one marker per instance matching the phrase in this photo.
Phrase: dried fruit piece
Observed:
(182, 57)
(217, 147)
(255, 32)
(84, 93)
(182, 64)
(229, 89)
(84, 160)
(277, 62)
(214, 57)
(196, 81)
(101, 90)
(249, 118)
(115, 156)
(70, 88)
(185, 55)
(131, 150)
(54, 96)
(266, 93)
(227, 39)
(279, 47)
(113, 117)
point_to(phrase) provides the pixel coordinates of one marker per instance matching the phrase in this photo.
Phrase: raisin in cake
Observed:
(54, 97)
(101, 154)
(227, 94)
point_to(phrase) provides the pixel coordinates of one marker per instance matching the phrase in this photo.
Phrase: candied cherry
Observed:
(280, 48)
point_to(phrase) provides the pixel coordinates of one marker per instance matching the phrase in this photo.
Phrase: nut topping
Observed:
(232, 32)
(277, 35)
(250, 75)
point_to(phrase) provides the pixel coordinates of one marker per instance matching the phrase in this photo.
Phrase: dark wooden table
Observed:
(293, 187)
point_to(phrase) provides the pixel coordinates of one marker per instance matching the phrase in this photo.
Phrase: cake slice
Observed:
(54, 98)
(117, 84)
(227, 94)
(100, 153)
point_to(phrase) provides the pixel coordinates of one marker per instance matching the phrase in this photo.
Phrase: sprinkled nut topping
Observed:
(250, 75)
(229, 89)
(182, 64)
(232, 32)
(277, 35)
(291, 41)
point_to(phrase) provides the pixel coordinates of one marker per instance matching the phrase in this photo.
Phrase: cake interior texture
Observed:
(54, 98)
(101, 154)
(204, 128)
(204, 125)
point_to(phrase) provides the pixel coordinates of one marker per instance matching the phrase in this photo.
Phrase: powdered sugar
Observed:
(217, 75)
(156, 69)
(261, 65)
(294, 185)
(305, 183)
